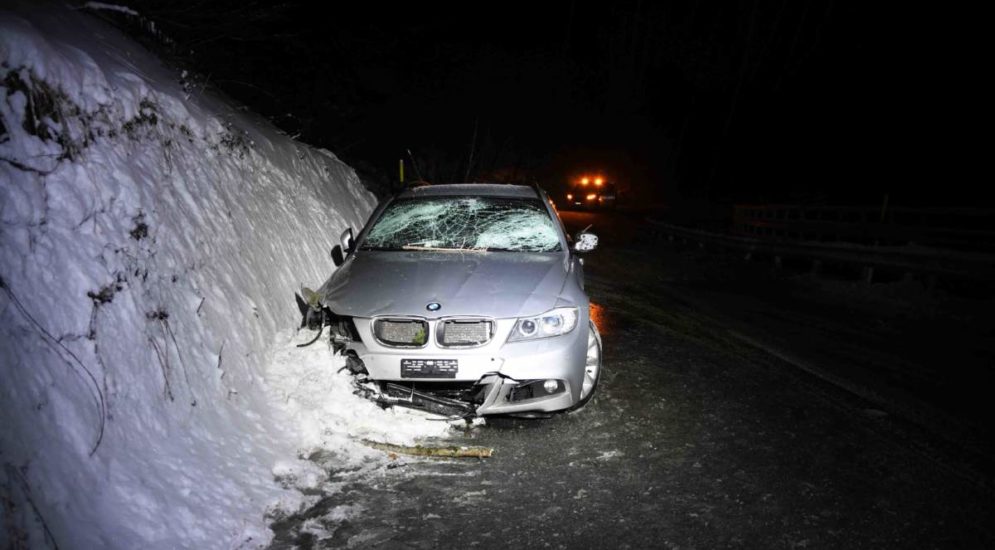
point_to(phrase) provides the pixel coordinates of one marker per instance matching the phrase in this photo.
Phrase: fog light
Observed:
(550, 386)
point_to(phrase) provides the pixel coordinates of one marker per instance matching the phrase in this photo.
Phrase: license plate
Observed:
(429, 368)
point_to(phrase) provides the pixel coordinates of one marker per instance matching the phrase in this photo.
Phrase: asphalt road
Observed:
(696, 439)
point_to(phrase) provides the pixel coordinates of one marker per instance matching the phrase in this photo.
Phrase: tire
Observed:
(592, 368)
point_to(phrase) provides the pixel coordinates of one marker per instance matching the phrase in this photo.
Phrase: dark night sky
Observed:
(735, 101)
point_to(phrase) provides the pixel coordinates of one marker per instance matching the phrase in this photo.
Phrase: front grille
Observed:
(465, 332)
(401, 332)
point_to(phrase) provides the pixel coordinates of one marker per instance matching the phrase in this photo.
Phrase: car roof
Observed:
(473, 189)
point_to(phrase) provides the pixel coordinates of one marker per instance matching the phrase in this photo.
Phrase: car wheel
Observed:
(592, 367)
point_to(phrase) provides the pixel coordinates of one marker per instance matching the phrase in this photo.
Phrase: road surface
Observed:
(696, 439)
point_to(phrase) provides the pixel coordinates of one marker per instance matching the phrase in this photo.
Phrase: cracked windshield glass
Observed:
(464, 223)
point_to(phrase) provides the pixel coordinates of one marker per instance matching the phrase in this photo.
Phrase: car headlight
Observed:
(552, 323)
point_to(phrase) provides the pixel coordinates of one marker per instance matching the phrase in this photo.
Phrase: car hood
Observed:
(491, 284)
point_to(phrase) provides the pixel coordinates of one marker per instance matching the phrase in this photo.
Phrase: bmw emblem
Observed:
(434, 306)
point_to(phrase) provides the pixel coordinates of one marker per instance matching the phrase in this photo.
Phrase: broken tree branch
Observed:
(16, 476)
(433, 452)
(164, 366)
(76, 365)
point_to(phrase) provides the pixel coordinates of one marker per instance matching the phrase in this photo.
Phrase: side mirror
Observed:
(346, 240)
(585, 242)
(337, 257)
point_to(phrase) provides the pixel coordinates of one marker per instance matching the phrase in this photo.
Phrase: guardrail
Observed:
(910, 258)
(946, 228)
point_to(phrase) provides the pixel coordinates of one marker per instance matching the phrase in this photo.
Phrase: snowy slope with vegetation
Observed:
(151, 237)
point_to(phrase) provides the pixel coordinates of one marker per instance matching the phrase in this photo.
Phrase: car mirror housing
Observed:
(337, 257)
(346, 240)
(585, 242)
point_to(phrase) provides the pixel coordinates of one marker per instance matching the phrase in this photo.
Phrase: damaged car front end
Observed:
(464, 300)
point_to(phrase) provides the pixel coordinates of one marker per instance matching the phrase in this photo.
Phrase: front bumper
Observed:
(500, 369)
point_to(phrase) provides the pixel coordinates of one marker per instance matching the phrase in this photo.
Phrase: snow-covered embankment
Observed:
(151, 237)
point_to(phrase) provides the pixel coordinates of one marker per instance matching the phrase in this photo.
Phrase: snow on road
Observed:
(330, 424)
(318, 400)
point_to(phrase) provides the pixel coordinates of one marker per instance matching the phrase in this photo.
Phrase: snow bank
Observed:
(151, 237)
(332, 421)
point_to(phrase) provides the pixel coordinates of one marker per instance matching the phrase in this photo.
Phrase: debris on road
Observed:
(450, 451)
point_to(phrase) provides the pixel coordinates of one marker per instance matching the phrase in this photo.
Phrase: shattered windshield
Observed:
(464, 223)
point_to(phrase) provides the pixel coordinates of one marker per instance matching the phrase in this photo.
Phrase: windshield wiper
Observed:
(417, 246)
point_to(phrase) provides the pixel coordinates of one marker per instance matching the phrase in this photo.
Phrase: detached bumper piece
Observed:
(454, 400)
(491, 395)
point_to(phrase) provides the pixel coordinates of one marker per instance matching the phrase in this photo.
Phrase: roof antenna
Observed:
(415, 164)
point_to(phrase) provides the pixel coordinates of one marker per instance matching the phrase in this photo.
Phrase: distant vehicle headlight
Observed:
(570, 196)
(554, 322)
(591, 197)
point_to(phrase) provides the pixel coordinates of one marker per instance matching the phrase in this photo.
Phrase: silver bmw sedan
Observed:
(466, 299)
